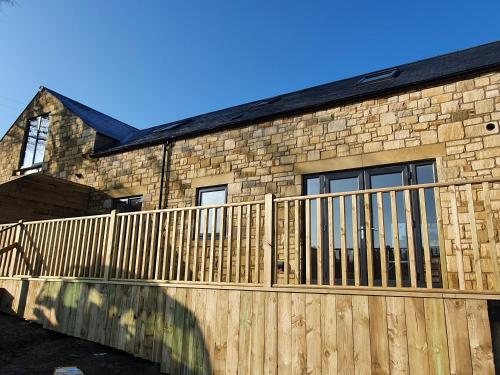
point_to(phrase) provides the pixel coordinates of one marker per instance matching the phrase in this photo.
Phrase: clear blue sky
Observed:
(150, 62)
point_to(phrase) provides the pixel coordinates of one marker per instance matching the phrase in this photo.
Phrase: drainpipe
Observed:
(164, 170)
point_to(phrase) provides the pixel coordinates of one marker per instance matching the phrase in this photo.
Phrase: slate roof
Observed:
(441, 68)
(100, 122)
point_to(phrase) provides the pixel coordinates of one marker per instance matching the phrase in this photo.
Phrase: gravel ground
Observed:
(27, 348)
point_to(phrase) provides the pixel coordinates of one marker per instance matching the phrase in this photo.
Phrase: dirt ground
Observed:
(27, 348)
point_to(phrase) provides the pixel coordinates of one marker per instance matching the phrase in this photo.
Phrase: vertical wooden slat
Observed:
(319, 240)
(196, 243)
(93, 253)
(298, 253)
(54, 246)
(188, 244)
(110, 246)
(212, 245)
(172, 246)
(458, 336)
(286, 244)
(229, 242)
(204, 245)
(127, 248)
(247, 243)
(491, 234)
(153, 251)
(268, 244)
(308, 241)
(381, 239)
(458, 242)
(409, 236)
(355, 241)
(138, 251)
(118, 271)
(181, 245)
(442, 248)
(361, 335)
(425, 238)
(100, 246)
(331, 243)
(63, 250)
(368, 237)
(222, 236)
(343, 249)
(257, 244)
(89, 248)
(49, 248)
(145, 245)
(480, 337)
(159, 247)
(395, 239)
(133, 253)
(239, 210)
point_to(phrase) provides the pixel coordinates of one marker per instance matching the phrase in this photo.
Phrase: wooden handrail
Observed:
(389, 189)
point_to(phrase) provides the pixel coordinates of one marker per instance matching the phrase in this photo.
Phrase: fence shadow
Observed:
(147, 321)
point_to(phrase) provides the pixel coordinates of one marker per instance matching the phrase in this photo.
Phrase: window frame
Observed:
(208, 189)
(129, 197)
(25, 142)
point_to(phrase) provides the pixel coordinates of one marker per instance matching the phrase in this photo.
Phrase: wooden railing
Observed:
(431, 235)
(442, 235)
(183, 244)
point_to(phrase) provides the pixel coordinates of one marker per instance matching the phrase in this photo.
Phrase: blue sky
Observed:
(150, 62)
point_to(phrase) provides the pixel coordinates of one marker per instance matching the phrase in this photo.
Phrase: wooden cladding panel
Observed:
(252, 332)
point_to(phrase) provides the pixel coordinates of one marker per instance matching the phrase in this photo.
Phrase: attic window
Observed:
(35, 141)
(379, 76)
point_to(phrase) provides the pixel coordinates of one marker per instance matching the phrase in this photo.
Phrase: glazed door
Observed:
(372, 178)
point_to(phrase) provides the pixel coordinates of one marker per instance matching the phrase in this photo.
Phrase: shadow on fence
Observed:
(150, 322)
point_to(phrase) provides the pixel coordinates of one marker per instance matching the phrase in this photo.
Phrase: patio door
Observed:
(371, 178)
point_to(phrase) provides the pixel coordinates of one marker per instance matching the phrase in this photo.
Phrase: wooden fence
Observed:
(442, 235)
(247, 330)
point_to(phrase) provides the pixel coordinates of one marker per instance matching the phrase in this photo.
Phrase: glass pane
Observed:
(425, 175)
(383, 181)
(209, 198)
(29, 150)
(312, 188)
(340, 186)
(41, 140)
(128, 204)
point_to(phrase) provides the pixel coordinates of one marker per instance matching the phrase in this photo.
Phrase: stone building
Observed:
(434, 120)
(379, 193)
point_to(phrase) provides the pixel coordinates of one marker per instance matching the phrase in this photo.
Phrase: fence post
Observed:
(268, 240)
(17, 249)
(110, 246)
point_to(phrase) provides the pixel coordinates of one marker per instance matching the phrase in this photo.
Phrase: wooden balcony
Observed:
(441, 236)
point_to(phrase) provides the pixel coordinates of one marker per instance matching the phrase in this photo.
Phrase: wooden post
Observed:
(268, 240)
(17, 249)
(110, 245)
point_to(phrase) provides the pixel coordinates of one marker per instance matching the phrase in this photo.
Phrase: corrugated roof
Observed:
(441, 68)
(100, 122)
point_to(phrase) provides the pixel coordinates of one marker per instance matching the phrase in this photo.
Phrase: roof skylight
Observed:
(379, 76)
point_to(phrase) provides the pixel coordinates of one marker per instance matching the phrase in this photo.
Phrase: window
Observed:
(214, 195)
(380, 76)
(128, 204)
(36, 139)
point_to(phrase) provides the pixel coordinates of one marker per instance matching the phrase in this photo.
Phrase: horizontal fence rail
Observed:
(440, 235)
